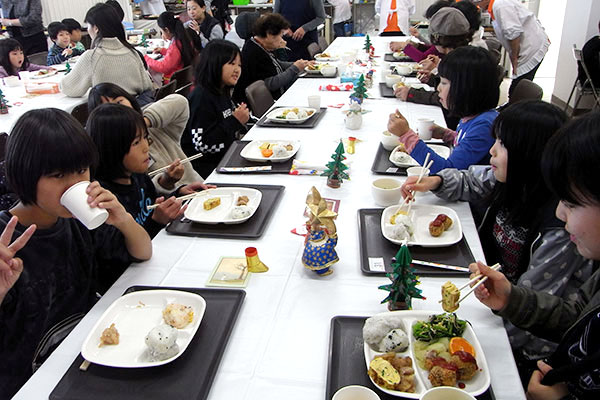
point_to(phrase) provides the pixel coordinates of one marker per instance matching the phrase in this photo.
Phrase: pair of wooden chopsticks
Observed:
(182, 198)
(476, 278)
(163, 169)
(427, 165)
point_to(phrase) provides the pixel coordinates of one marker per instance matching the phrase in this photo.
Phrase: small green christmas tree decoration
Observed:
(367, 46)
(144, 42)
(68, 66)
(404, 282)
(3, 104)
(335, 169)
(360, 90)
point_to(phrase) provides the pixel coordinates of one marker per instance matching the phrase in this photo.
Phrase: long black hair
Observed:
(6, 46)
(168, 20)
(209, 73)
(110, 90)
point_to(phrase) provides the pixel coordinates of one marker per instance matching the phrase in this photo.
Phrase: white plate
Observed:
(272, 116)
(252, 151)
(330, 58)
(312, 71)
(134, 315)
(35, 75)
(422, 215)
(475, 386)
(441, 150)
(222, 213)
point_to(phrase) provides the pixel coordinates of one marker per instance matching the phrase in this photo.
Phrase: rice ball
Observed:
(291, 115)
(162, 342)
(404, 220)
(279, 151)
(302, 113)
(240, 212)
(178, 315)
(399, 232)
(402, 157)
(394, 341)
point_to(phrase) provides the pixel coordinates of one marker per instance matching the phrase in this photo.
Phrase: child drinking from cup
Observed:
(13, 60)
(62, 263)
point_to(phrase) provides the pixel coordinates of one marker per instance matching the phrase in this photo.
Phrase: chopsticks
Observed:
(182, 198)
(163, 169)
(495, 267)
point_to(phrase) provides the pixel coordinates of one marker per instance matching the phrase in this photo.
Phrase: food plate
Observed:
(316, 70)
(73, 59)
(223, 212)
(406, 319)
(408, 161)
(422, 215)
(279, 115)
(326, 57)
(37, 75)
(252, 151)
(134, 315)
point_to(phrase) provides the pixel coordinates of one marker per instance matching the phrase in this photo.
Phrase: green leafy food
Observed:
(439, 326)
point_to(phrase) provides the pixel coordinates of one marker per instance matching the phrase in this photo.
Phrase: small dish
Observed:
(222, 214)
(41, 75)
(280, 115)
(252, 151)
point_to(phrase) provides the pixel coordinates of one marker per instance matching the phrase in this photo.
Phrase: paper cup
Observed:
(314, 102)
(446, 393)
(424, 126)
(12, 81)
(386, 191)
(75, 200)
(355, 392)
(416, 171)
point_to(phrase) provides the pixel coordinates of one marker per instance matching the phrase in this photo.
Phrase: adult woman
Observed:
(204, 26)
(468, 89)
(24, 21)
(112, 59)
(259, 63)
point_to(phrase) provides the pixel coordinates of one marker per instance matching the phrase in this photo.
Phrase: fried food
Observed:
(178, 315)
(212, 203)
(466, 364)
(440, 376)
(242, 200)
(109, 336)
(450, 296)
(393, 373)
(440, 224)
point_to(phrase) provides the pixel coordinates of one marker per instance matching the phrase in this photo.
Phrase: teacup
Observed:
(392, 79)
(386, 191)
(355, 392)
(389, 141)
(403, 69)
(446, 393)
(329, 71)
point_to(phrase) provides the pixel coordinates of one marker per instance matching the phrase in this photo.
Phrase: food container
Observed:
(329, 71)
(392, 79)
(389, 141)
(41, 87)
(12, 81)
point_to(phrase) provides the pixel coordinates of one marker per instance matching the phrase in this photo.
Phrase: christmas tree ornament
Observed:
(404, 282)
(253, 262)
(68, 66)
(3, 104)
(367, 46)
(144, 42)
(335, 169)
(319, 247)
(360, 91)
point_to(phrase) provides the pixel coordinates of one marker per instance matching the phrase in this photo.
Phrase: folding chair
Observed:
(80, 112)
(323, 43)
(183, 76)
(38, 58)
(259, 98)
(166, 90)
(526, 90)
(313, 49)
(588, 86)
(185, 90)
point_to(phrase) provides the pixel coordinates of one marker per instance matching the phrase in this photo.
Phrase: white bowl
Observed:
(329, 71)
(403, 69)
(392, 79)
(386, 191)
(446, 393)
(355, 392)
(389, 141)
(12, 81)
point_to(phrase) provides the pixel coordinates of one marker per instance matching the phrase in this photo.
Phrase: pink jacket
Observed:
(170, 62)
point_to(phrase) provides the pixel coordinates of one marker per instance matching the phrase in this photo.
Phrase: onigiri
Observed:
(394, 341)
(162, 342)
(240, 212)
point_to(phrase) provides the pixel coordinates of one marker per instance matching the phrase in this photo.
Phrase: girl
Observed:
(204, 26)
(519, 229)
(166, 119)
(121, 137)
(112, 59)
(570, 168)
(180, 53)
(214, 120)
(13, 60)
(59, 270)
(468, 89)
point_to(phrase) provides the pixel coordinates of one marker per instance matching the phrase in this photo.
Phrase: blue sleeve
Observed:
(472, 149)
(55, 56)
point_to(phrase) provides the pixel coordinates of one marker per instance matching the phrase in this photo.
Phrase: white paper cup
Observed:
(424, 126)
(12, 81)
(75, 200)
(355, 392)
(314, 102)
(386, 191)
(416, 171)
(446, 393)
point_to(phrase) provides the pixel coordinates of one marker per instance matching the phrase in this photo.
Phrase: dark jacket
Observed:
(29, 13)
(591, 57)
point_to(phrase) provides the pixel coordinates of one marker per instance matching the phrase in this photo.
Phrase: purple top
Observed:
(31, 67)
(418, 55)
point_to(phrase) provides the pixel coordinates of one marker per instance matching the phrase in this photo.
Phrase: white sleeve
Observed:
(507, 17)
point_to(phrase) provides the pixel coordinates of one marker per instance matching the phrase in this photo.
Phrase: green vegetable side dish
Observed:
(439, 326)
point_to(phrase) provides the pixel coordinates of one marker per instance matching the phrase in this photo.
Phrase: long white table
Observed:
(279, 346)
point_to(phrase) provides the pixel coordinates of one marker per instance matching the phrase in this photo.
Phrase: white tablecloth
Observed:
(279, 346)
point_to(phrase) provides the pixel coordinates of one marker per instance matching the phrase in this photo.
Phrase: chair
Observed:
(313, 49)
(588, 86)
(526, 90)
(40, 58)
(323, 43)
(166, 90)
(500, 73)
(80, 112)
(494, 47)
(259, 98)
(184, 91)
(183, 76)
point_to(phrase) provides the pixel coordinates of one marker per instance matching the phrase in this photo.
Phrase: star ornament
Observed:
(319, 213)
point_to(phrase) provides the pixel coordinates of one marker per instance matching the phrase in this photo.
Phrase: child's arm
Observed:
(55, 56)
(10, 266)
(168, 64)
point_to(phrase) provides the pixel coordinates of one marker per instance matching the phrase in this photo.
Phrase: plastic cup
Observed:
(446, 393)
(355, 392)
(424, 126)
(75, 200)
(314, 102)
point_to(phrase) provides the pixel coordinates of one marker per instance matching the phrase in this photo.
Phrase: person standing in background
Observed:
(151, 7)
(23, 19)
(304, 17)
(342, 12)
(393, 16)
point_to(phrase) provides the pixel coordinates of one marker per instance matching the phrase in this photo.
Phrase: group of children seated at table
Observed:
(544, 232)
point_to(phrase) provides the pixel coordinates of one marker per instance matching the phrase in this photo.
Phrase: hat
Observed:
(448, 21)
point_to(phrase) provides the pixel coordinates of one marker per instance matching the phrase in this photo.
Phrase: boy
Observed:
(61, 50)
(75, 31)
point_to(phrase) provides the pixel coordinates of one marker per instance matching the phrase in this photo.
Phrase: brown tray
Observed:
(233, 159)
(190, 376)
(347, 365)
(374, 245)
(251, 229)
(309, 123)
(385, 90)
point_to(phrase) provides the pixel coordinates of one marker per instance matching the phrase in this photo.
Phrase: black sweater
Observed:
(210, 130)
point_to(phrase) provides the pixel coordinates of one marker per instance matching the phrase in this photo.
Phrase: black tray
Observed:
(382, 164)
(389, 57)
(385, 90)
(309, 123)
(251, 229)
(373, 244)
(233, 159)
(318, 76)
(347, 364)
(188, 377)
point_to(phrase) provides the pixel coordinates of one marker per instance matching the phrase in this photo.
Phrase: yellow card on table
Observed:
(229, 272)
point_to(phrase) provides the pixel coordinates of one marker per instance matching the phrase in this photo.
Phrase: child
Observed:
(166, 119)
(61, 50)
(468, 89)
(75, 31)
(13, 60)
(519, 230)
(570, 168)
(47, 152)
(121, 137)
(180, 53)
(215, 122)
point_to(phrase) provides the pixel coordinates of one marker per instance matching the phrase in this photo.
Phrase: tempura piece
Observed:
(178, 315)
(109, 336)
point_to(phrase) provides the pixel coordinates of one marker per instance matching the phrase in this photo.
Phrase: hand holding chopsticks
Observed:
(448, 291)
(163, 169)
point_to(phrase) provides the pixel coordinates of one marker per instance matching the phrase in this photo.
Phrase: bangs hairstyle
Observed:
(570, 164)
(55, 28)
(474, 87)
(524, 128)
(71, 24)
(209, 73)
(112, 91)
(270, 23)
(43, 142)
(168, 20)
(6, 46)
(113, 128)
